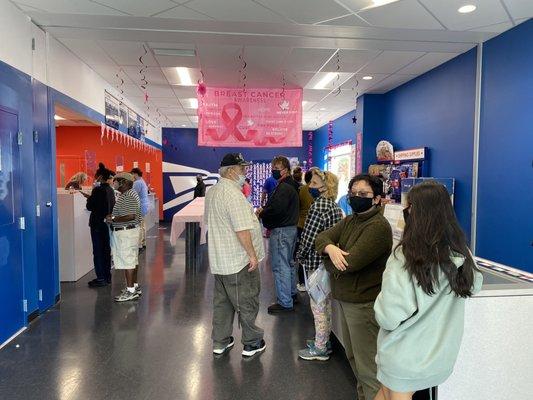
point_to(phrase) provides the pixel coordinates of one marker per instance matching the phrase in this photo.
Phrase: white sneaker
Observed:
(126, 296)
(221, 350)
(301, 288)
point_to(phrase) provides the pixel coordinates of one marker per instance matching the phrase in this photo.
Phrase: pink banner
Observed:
(250, 118)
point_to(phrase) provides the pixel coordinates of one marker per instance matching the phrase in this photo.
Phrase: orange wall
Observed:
(73, 143)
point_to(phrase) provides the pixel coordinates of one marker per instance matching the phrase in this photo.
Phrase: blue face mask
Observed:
(315, 192)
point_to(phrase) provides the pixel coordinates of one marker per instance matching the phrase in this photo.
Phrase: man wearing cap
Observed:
(235, 250)
(124, 224)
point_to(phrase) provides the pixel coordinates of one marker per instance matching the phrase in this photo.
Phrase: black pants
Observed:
(101, 251)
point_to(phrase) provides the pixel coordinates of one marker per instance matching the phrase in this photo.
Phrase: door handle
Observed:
(48, 204)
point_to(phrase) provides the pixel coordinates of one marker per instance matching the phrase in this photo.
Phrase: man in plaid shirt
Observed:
(235, 251)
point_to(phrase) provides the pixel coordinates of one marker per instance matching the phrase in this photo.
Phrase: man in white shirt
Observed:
(235, 250)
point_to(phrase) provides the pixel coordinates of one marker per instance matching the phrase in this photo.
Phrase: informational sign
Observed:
(234, 117)
(258, 174)
(123, 117)
(342, 163)
(119, 163)
(409, 155)
(133, 129)
(112, 116)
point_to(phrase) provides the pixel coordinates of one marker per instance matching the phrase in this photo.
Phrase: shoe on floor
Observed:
(313, 353)
(251, 350)
(278, 308)
(221, 350)
(126, 295)
(139, 291)
(97, 283)
(301, 287)
(311, 343)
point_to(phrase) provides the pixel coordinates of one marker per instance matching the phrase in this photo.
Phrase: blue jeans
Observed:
(282, 243)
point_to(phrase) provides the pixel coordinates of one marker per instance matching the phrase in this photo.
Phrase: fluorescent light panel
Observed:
(467, 9)
(175, 52)
(185, 76)
(325, 80)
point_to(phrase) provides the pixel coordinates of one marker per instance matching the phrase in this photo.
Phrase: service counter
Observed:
(152, 218)
(75, 245)
(496, 357)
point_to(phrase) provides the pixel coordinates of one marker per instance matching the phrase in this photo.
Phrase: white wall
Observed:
(52, 63)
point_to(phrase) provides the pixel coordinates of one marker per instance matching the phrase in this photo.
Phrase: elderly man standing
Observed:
(280, 215)
(235, 249)
(124, 223)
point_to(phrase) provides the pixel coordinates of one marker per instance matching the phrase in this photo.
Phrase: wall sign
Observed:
(230, 117)
(409, 155)
(112, 115)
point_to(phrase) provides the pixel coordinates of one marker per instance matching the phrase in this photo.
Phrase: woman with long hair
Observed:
(77, 181)
(322, 215)
(420, 309)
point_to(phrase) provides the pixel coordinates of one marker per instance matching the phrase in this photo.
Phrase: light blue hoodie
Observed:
(420, 335)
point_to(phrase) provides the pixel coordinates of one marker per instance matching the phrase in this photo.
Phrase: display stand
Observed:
(75, 249)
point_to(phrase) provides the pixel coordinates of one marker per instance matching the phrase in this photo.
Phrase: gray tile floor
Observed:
(159, 347)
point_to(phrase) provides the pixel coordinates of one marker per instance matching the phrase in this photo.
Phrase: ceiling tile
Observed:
(350, 60)
(127, 53)
(348, 20)
(222, 77)
(390, 83)
(212, 56)
(389, 62)
(315, 95)
(355, 5)
(184, 91)
(160, 91)
(138, 8)
(359, 85)
(265, 58)
(488, 12)
(153, 75)
(110, 72)
(71, 7)
(520, 8)
(427, 62)
(305, 11)
(303, 59)
(298, 79)
(181, 12)
(235, 10)
(177, 61)
(88, 51)
(406, 14)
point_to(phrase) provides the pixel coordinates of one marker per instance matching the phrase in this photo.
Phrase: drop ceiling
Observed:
(298, 42)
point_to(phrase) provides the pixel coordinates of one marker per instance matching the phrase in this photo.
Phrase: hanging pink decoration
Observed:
(102, 131)
(201, 89)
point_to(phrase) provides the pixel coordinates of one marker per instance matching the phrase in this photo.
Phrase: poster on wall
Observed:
(258, 174)
(112, 117)
(90, 162)
(230, 117)
(133, 128)
(123, 114)
(341, 161)
(119, 162)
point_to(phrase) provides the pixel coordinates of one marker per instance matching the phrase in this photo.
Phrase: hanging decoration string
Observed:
(337, 80)
(242, 71)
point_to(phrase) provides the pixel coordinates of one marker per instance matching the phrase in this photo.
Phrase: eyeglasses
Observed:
(361, 194)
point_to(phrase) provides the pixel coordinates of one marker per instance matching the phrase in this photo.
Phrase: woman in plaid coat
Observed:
(323, 214)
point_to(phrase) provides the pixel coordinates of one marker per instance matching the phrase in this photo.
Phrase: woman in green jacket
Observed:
(420, 309)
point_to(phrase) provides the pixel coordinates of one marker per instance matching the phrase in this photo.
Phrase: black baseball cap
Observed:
(231, 159)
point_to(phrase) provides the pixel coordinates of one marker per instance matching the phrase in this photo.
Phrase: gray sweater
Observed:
(420, 335)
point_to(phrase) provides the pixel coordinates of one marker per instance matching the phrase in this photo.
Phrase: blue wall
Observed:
(180, 146)
(436, 110)
(505, 195)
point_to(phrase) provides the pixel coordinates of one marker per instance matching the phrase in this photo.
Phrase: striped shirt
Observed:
(226, 212)
(323, 214)
(128, 203)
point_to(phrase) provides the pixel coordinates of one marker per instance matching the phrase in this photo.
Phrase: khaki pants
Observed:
(360, 333)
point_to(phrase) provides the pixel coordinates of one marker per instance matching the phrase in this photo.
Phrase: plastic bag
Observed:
(318, 285)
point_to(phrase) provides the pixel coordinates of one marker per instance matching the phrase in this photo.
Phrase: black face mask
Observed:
(276, 174)
(360, 204)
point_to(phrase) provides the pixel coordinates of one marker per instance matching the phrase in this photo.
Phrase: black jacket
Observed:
(199, 190)
(100, 203)
(283, 206)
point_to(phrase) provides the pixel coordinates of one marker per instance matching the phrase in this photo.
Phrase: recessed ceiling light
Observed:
(378, 3)
(467, 9)
(184, 125)
(185, 76)
(325, 80)
(323, 109)
(367, 78)
(58, 118)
